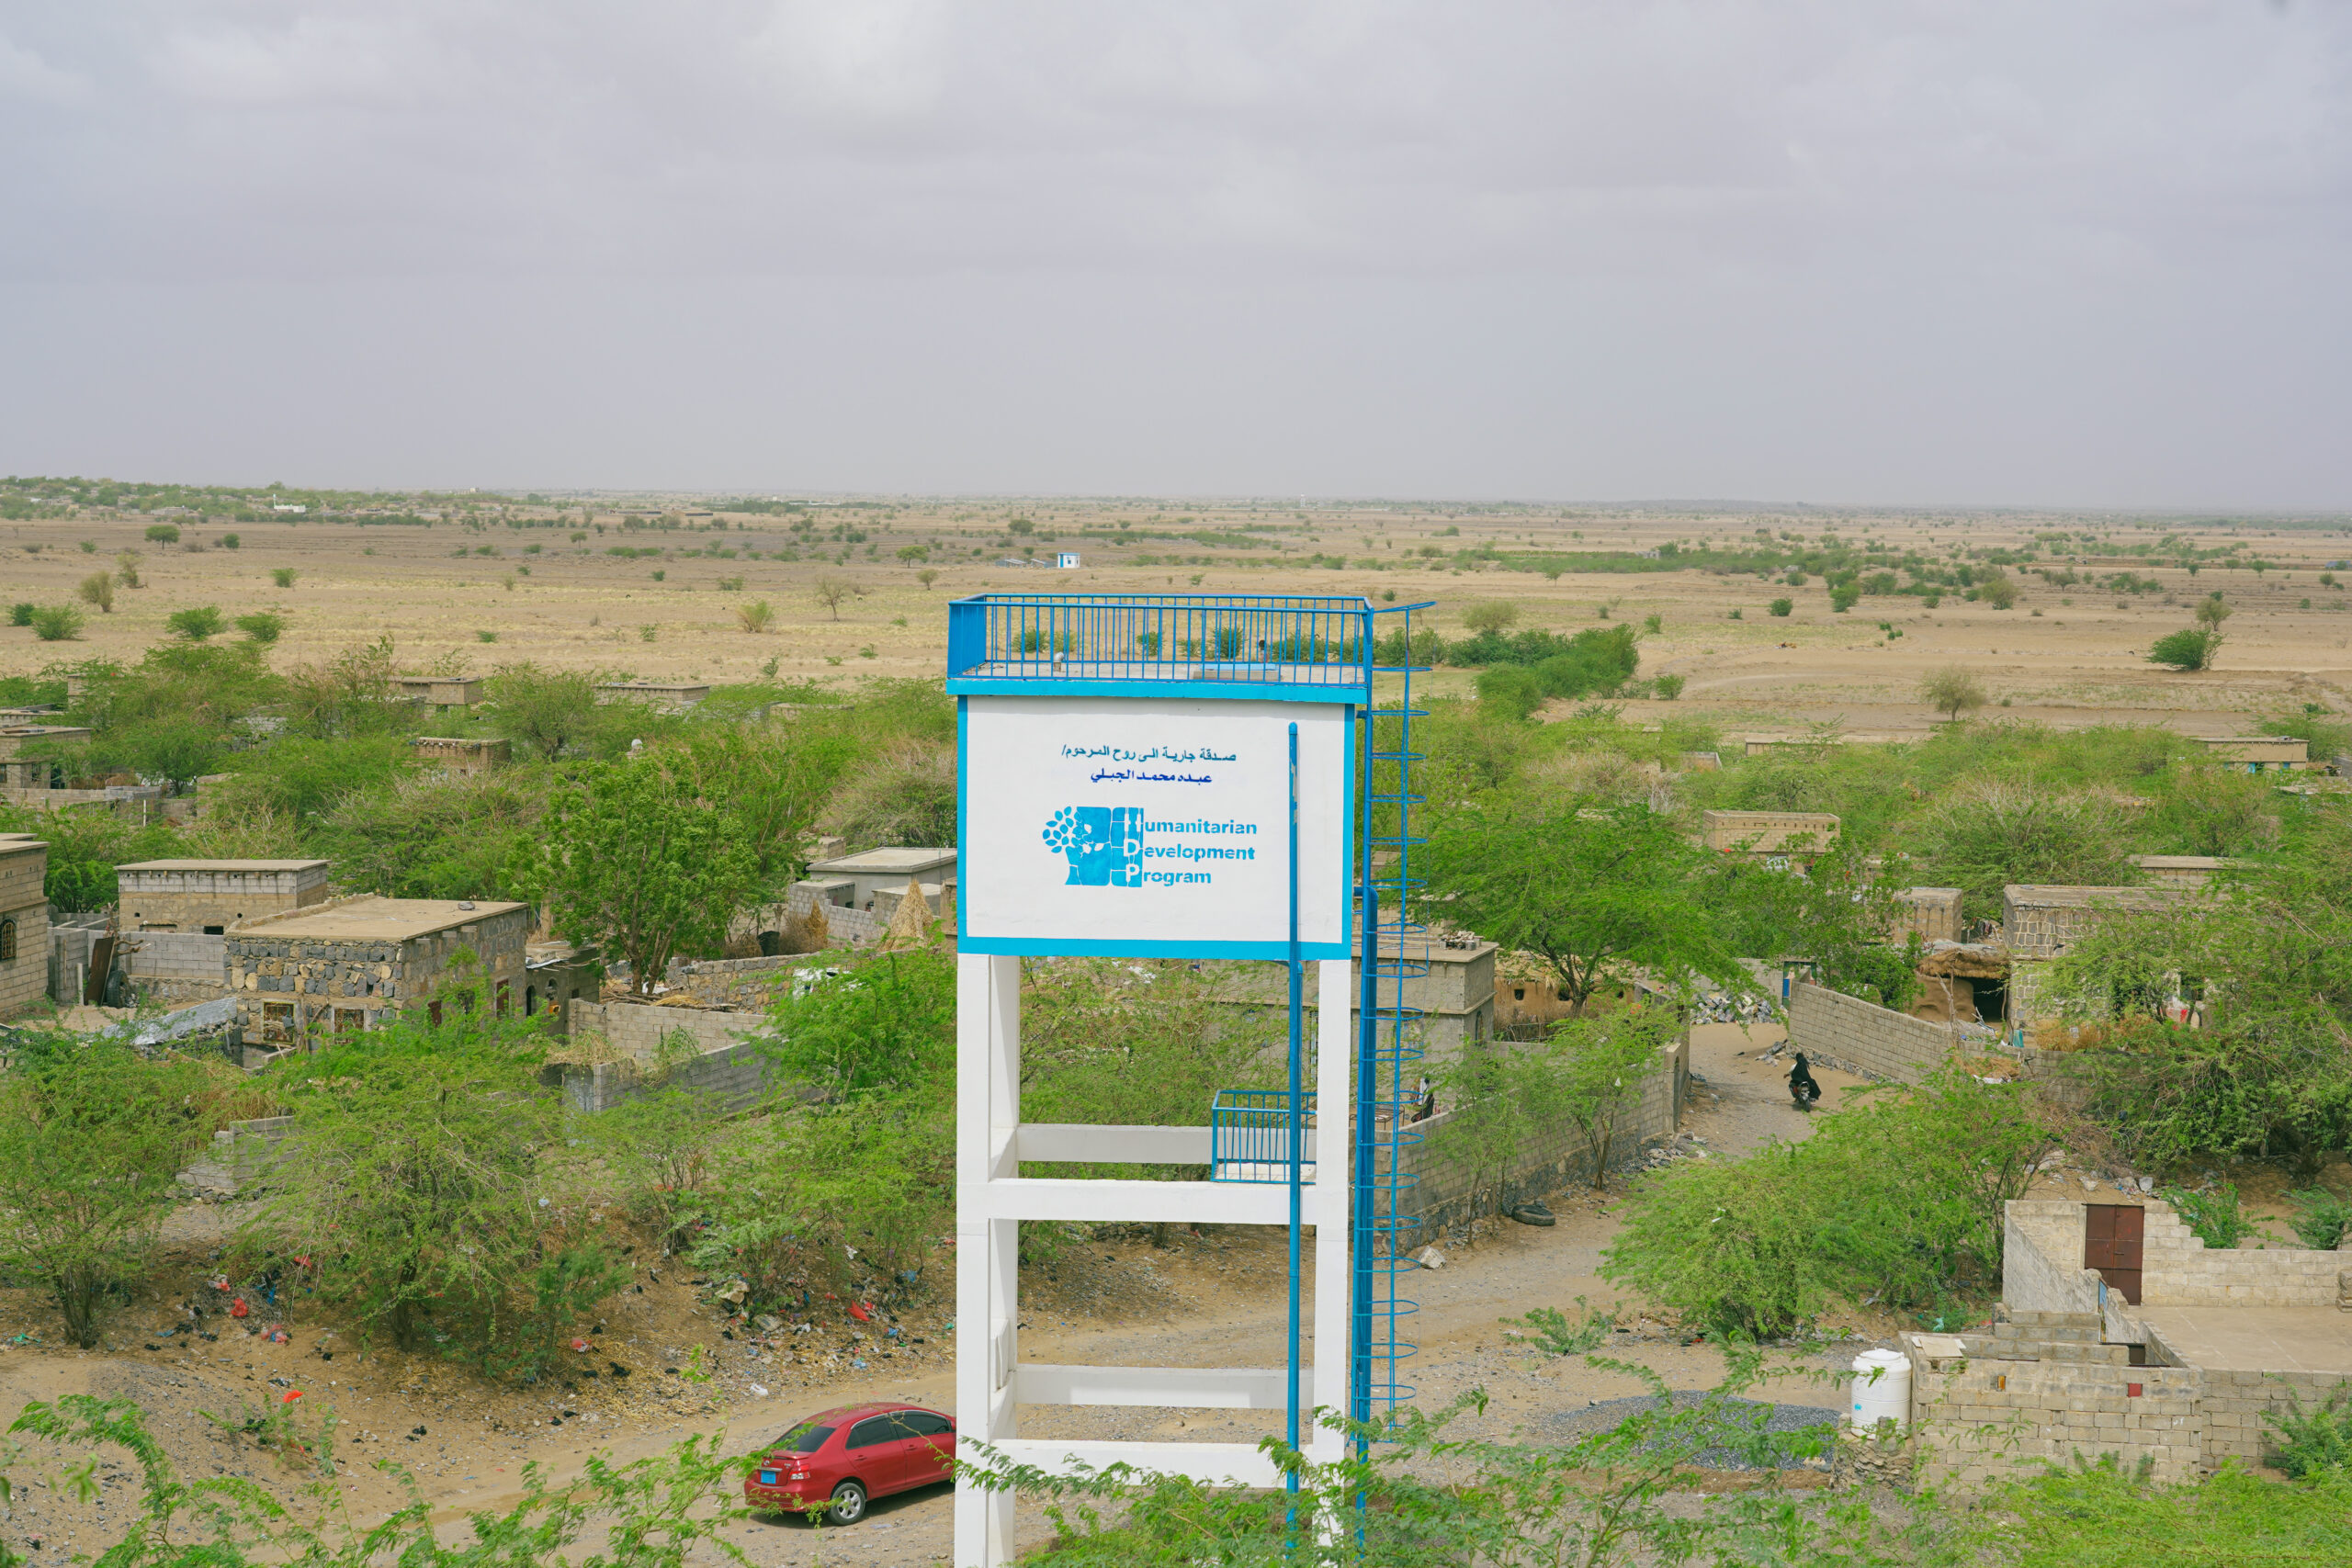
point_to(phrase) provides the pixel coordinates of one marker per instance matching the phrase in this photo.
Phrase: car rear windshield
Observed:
(803, 1439)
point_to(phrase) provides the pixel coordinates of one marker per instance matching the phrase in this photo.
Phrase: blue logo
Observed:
(1106, 846)
(1103, 843)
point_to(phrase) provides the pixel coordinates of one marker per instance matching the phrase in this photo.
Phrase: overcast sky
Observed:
(1974, 251)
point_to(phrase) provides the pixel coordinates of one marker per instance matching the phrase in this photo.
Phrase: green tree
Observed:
(640, 863)
(93, 1137)
(1951, 690)
(416, 1172)
(163, 534)
(1995, 588)
(1586, 885)
(1491, 615)
(1985, 834)
(2191, 647)
(551, 713)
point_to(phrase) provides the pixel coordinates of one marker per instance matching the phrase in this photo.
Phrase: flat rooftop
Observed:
(375, 920)
(2055, 898)
(221, 865)
(2255, 1339)
(878, 862)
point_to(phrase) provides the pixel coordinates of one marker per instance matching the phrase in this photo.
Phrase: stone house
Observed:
(2039, 923)
(355, 963)
(2259, 753)
(854, 880)
(20, 771)
(438, 691)
(1762, 835)
(1932, 914)
(1454, 993)
(24, 923)
(461, 756)
(663, 696)
(2121, 1333)
(210, 895)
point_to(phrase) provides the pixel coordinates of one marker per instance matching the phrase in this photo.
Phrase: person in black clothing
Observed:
(1802, 1086)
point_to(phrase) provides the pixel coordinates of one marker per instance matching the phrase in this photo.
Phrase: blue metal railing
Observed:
(1269, 639)
(1249, 1136)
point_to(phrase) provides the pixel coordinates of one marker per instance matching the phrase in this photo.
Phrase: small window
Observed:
(349, 1021)
(531, 1000)
(502, 988)
(803, 1439)
(7, 940)
(215, 931)
(873, 1430)
(1519, 993)
(1563, 993)
(434, 1013)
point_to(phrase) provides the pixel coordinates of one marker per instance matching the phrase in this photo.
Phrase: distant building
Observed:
(1770, 834)
(855, 882)
(2185, 872)
(1932, 914)
(19, 771)
(439, 690)
(2259, 753)
(209, 896)
(287, 506)
(357, 963)
(1067, 560)
(666, 697)
(459, 756)
(24, 922)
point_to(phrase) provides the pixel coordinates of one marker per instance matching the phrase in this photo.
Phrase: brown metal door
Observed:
(2112, 1233)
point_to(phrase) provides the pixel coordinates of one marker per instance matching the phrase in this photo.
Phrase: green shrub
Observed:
(197, 622)
(2321, 1220)
(2214, 1216)
(1782, 606)
(57, 623)
(227, 541)
(1844, 597)
(262, 626)
(93, 1137)
(2191, 647)
(1897, 1196)
(20, 613)
(2311, 1442)
(1667, 687)
(283, 576)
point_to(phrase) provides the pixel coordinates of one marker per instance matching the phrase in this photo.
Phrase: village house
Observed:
(355, 963)
(24, 923)
(462, 757)
(20, 771)
(662, 697)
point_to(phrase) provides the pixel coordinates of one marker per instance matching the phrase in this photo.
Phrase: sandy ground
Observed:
(1213, 1299)
(2067, 656)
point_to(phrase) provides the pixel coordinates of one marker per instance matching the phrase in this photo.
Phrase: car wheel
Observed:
(849, 1504)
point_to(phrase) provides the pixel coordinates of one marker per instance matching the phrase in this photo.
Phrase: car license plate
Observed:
(767, 1478)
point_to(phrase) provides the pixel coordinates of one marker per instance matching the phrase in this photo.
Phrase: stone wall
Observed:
(188, 897)
(2042, 1252)
(23, 974)
(2041, 922)
(2179, 1269)
(1980, 1418)
(178, 968)
(1849, 1033)
(753, 983)
(731, 1077)
(637, 1030)
(289, 984)
(1932, 914)
(2234, 1403)
(1552, 1157)
(1770, 832)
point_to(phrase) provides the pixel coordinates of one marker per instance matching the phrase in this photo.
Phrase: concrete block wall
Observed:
(71, 938)
(637, 1031)
(178, 955)
(731, 1077)
(1980, 1419)
(2042, 922)
(2235, 1404)
(2179, 1269)
(24, 975)
(754, 983)
(1550, 1159)
(2041, 1259)
(1849, 1033)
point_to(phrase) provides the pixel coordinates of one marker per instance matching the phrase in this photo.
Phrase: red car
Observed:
(838, 1460)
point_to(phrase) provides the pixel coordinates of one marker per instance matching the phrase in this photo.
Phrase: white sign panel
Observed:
(1152, 827)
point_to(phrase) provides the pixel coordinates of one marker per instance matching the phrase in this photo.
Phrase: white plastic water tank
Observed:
(1886, 1396)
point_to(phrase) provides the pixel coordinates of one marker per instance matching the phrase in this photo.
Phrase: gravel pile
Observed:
(1608, 1414)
